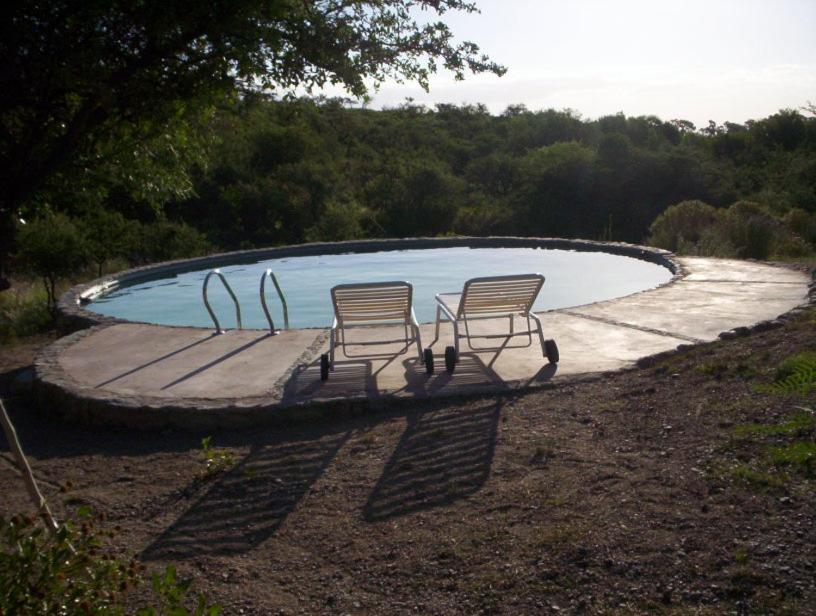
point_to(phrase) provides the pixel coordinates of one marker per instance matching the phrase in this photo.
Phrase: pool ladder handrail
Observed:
(270, 274)
(217, 272)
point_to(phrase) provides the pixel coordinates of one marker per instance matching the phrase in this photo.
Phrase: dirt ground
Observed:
(630, 494)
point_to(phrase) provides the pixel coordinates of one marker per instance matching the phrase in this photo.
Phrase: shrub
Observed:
(750, 230)
(51, 247)
(164, 240)
(801, 223)
(338, 221)
(684, 224)
(107, 235)
(745, 230)
(23, 311)
(71, 572)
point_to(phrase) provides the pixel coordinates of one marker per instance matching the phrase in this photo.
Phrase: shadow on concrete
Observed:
(217, 361)
(545, 373)
(350, 377)
(153, 362)
(358, 377)
(444, 455)
(245, 506)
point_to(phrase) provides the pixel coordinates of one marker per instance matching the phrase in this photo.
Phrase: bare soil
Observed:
(621, 495)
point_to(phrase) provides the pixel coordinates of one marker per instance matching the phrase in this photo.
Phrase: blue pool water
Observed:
(572, 279)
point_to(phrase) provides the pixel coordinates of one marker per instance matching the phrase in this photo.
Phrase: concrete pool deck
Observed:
(148, 375)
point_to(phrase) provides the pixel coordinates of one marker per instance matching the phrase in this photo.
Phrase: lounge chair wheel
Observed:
(551, 349)
(450, 359)
(429, 361)
(324, 367)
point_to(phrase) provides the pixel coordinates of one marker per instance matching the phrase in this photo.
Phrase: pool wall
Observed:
(74, 315)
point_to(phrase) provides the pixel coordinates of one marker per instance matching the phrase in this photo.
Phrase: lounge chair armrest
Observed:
(444, 308)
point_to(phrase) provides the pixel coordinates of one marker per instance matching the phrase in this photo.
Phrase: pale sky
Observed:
(697, 60)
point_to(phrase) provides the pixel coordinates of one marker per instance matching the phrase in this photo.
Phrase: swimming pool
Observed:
(572, 278)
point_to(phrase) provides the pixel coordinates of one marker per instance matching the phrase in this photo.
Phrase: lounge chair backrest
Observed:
(499, 295)
(373, 301)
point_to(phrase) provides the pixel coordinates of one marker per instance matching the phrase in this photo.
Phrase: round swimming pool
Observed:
(572, 278)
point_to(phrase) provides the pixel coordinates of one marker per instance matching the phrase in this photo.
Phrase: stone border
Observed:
(74, 315)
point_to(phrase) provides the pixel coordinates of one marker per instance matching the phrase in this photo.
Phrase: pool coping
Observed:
(74, 316)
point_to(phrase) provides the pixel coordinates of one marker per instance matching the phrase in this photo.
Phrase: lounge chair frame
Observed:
(369, 304)
(494, 297)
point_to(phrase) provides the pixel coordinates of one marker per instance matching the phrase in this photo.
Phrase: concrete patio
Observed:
(187, 376)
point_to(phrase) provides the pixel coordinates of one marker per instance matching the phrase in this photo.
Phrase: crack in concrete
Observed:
(648, 330)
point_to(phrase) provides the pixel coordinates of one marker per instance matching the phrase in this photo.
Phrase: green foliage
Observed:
(72, 572)
(771, 452)
(23, 312)
(107, 235)
(61, 573)
(801, 223)
(51, 247)
(215, 460)
(164, 240)
(800, 455)
(684, 224)
(745, 230)
(795, 375)
(281, 169)
(750, 230)
(171, 597)
(801, 423)
(748, 475)
(125, 113)
(338, 222)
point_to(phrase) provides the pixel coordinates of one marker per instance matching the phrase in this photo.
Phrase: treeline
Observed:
(304, 170)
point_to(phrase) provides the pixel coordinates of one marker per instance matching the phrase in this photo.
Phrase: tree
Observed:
(52, 247)
(77, 75)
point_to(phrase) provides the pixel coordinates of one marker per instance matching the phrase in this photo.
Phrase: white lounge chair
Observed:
(369, 304)
(489, 298)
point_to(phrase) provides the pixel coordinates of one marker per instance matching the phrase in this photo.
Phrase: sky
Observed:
(698, 60)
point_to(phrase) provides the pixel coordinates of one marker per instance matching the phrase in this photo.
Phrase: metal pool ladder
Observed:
(217, 272)
(270, 274)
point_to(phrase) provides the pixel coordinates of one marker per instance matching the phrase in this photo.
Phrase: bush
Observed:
(750, 230)
(71, 572)
(683, 225)
(164, 240)
(801, 223)
(51, 247)
(23, 312)
(745, 230)
(338, 222)
(107, 235)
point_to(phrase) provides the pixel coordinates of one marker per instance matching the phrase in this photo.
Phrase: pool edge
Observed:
(74, 316)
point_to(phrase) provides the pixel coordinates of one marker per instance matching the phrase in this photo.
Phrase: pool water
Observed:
(572, 279)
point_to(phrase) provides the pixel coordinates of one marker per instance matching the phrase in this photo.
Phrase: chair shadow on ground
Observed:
(245, 506)
(442, 456)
